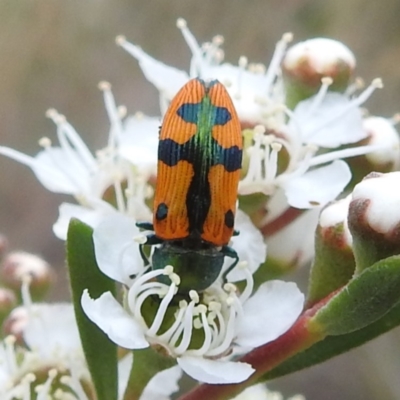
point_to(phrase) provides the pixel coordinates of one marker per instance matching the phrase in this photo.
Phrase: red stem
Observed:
(282, 220)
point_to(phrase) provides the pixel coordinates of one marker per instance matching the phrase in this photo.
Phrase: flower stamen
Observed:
(187, 325)
(326, 82)
(197, 60)
(166, 336)
(67, 135)
(202, 309)
(356, 102)
(277, 57)
(11, 360)
(162, 309)
(43, 391)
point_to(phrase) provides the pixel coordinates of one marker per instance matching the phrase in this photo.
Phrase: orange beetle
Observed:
(199, 161)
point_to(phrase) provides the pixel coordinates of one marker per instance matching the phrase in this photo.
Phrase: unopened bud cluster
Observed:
(19, 265)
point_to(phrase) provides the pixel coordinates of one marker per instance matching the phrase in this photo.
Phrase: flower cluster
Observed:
(42, 352)
(300, 118)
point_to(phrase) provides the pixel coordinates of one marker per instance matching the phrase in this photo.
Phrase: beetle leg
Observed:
(152, 239)
(229, 252)
(148, 226)
(144, 256)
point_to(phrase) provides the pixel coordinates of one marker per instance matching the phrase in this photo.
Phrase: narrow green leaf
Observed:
(370, 301)
(365, 299)
(335, 345)
(100, 352)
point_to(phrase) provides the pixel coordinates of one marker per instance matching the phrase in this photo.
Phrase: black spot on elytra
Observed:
(222, 116)
(162, 211)
(189, 112)
(229, 219)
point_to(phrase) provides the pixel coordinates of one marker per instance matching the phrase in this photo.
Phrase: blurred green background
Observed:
(53, 53)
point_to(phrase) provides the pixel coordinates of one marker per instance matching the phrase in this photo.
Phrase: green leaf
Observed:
(334, 345)
(100, 352)
(365, 299)
(370, 302)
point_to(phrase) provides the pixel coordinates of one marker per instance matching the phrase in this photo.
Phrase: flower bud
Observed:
(334, 263)
(306, 63)
(374, 218)
(381, 132)
(17, 265)
(15, 324)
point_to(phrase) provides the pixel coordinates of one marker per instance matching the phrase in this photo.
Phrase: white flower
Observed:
(225, 319)
(255, 90)
(50, 334)
(52, 338)
(52, 341)
(16, 382)
(71, 168)
(326, 120)
(310, 179)
(330, 119)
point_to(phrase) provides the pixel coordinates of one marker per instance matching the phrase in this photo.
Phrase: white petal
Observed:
(117, 254)
(249, 245)
(162, 385)
(166, 79)
(277, 204)
(51, 328)
(333, 123)
(114, 321)
(67, 211)
(48, 174)
(319, 186)
(71, 169)
(124, 371)
(269, 313)
(215, 371)
(139, 142)
(294, 244)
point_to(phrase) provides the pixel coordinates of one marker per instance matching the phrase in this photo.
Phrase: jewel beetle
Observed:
(198, 171)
